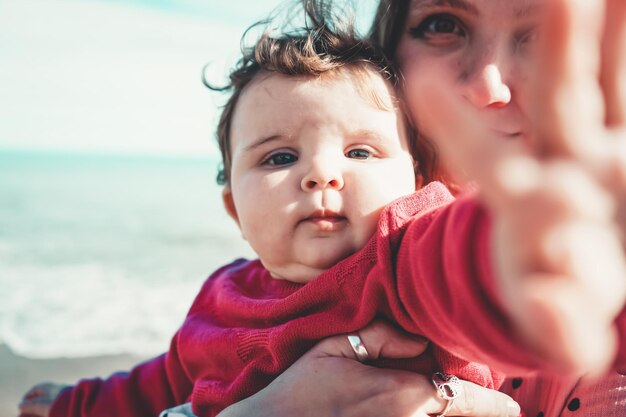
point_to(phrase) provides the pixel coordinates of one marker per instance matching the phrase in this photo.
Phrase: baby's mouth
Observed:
(326, 221)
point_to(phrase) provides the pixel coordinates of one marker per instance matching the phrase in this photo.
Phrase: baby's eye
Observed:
(280, 158)
(437, 26)
(358, 154)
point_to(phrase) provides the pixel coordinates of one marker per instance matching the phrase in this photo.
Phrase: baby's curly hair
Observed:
(315, 50)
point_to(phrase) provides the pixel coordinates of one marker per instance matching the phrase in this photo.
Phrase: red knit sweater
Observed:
(426, 269)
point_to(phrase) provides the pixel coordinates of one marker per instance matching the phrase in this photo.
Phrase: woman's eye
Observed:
(438, 25)
(528, 38)
(279, 159)
(358, 154)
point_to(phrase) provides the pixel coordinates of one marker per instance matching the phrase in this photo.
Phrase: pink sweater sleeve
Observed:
(447, 288)
(144, 391)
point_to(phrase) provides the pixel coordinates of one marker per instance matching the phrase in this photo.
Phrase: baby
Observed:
(320, 175)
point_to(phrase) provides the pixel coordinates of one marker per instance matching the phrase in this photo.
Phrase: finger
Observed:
(385, 341)
(550, 193)
(591, 255)
(613, 74)
(615, 176)
(34, 393)
(379, 338)
(416, 394)
(475, 400)
(581, 341)
(567, 102)
(42, 390)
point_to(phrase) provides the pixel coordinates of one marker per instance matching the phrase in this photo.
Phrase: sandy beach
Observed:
(17, 374)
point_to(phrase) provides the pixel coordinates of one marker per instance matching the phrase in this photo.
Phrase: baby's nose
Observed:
(322, 177)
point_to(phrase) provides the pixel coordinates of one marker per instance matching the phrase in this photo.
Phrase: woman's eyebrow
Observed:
(456, 4)
(527, 9)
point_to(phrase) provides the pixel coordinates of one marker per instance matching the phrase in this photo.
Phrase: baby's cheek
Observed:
(369, 226)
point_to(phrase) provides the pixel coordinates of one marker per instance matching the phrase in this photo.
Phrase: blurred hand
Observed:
(558, 200)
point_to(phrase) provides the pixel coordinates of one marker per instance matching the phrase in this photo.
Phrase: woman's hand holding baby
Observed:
(328, 381)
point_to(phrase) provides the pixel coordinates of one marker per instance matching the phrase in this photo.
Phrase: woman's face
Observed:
(476, 49)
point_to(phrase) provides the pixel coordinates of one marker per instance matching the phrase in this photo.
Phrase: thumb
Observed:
(381, 340)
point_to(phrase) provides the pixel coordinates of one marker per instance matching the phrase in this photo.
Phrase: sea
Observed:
(104, 254)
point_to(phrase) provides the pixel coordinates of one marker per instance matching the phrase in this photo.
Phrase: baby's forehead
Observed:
(373, 86)
(366, 79)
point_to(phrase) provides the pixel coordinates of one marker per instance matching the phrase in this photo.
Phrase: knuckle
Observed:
(467, 397)
(502, 406)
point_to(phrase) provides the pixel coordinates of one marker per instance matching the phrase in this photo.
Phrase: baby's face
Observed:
(313, 163)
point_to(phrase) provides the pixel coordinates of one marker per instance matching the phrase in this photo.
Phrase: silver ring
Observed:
(358, 347)
(448, 388)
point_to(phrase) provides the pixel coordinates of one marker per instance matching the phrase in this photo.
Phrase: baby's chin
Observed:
(299, 275)
(304, 272)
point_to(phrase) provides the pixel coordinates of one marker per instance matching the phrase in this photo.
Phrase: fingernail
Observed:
(513, 409)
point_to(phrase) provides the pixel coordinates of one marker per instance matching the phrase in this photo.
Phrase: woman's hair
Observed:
(386, 30)
(388, 24)
(322, 46)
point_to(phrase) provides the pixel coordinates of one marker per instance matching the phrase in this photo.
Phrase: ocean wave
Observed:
(89, 309)
(104, 254)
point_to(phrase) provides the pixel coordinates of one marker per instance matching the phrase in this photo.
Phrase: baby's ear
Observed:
(229, 204)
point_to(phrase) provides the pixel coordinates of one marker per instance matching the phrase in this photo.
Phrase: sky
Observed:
(120, 76)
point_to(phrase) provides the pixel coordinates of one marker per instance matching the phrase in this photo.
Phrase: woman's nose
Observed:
(486, 87)
(322, 175)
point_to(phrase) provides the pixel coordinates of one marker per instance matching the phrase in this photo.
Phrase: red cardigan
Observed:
(426, 269)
